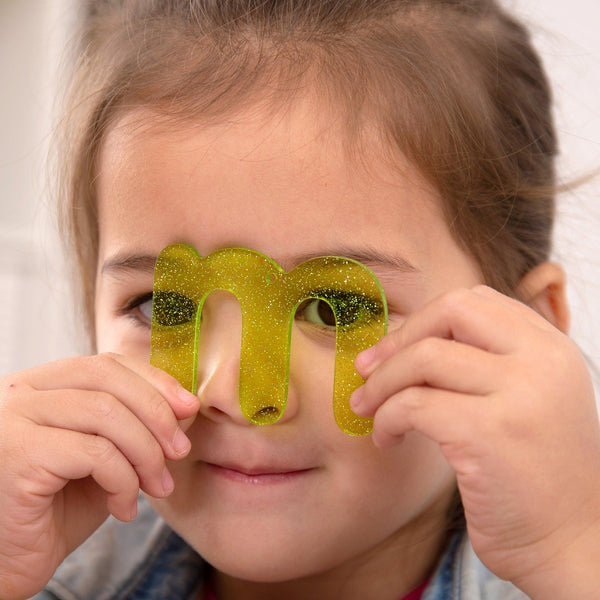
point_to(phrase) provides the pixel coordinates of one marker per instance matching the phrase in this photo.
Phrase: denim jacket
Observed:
(146, 560)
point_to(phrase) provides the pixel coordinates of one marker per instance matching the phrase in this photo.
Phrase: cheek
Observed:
(420, 470)
(105, 332)
(132, 347)
(393, 488)
(121, 336)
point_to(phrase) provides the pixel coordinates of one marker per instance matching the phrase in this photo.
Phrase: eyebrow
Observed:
(369, 256)
(123, 264)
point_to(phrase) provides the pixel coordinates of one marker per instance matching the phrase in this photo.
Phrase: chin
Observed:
(270, 553)
(257, 569)
(267, 549)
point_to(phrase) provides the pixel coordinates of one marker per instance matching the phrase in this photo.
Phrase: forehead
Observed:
(284, 180)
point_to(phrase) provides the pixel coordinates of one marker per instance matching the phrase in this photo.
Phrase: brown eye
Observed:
(351, 309)
(318, 312)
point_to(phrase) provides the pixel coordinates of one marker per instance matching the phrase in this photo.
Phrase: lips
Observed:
(253, 459)
(267, 470)
(257, 474)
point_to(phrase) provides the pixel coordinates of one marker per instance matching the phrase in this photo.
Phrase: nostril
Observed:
(215, 412)
(267, 414)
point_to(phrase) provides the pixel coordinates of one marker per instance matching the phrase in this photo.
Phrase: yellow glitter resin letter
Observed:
(268, 298)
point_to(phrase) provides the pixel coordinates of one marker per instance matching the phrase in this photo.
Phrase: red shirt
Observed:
(416, 593)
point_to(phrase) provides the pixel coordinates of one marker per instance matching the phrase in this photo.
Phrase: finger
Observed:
(87, 456)
(520, 307)
(99, 413)
(184, 403)
(108, 374)
(484, 319)
(432, 362)
(448, 418)
(109, 371)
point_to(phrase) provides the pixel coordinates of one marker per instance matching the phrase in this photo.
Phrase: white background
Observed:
(37, 321)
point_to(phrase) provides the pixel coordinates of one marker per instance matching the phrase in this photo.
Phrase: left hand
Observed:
(510, 401)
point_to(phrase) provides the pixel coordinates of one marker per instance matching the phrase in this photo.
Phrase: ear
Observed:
(544, 289)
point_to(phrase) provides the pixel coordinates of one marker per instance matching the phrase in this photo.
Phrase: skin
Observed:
(299, 507)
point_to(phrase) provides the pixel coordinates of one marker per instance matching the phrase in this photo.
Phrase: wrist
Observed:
(573, 572)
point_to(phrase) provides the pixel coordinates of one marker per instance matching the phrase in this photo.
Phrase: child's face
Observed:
(298, 497)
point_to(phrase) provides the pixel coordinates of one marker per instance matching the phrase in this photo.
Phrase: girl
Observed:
(412, 135)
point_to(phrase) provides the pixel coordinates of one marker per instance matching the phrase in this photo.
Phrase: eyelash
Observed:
(129, 310)
(355, 306)
(353, 301)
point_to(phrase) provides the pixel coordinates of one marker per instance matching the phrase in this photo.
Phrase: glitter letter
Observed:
(268, 298)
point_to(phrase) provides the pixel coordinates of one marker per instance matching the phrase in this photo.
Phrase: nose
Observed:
(219, 344)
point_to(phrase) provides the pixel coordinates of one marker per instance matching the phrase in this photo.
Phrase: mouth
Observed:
(259, 475)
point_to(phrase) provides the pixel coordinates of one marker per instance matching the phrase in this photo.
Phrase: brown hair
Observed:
(455, 85)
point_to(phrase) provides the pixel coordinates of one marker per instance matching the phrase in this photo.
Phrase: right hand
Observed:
(79, 438)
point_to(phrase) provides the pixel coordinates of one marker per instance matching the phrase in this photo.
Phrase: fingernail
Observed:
(181, 443)
(167, 482)
(365, 358)
(187, 397)
(356, 397)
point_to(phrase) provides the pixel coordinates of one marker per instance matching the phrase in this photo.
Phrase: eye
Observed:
(171, 308)
(316, 311)
(351, 309)
(145, 308)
